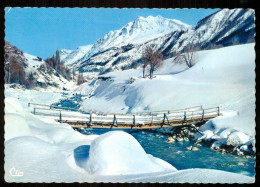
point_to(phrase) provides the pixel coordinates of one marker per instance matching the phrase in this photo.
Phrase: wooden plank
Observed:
(155, 124)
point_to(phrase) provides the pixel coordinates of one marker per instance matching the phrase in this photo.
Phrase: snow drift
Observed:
(117, 153)
(38, 149)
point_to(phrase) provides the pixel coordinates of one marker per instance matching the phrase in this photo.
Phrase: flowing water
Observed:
(71, 103)
(176, 153)
(180, 157)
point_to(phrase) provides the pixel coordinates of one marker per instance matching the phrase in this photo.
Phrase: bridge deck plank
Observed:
(146, 125)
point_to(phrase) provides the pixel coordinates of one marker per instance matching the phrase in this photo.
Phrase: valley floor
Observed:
(46, 151)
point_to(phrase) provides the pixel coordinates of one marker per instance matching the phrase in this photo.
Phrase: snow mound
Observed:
(16, 126)
(117, 153)
(237, 138)
(40, 149)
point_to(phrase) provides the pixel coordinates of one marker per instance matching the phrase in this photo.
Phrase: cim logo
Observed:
(15, 173)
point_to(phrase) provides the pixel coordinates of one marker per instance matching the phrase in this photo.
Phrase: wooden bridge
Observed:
(144, 120)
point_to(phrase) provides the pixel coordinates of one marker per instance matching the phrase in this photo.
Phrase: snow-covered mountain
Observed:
(107, 48)
(138, 32)
(31, 71)
(223, 28)
(69, 57)
(122, 49)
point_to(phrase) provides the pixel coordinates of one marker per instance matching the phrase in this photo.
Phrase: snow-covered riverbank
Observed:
(42, 150)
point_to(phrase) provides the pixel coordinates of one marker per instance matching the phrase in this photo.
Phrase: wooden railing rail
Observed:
(136, 118)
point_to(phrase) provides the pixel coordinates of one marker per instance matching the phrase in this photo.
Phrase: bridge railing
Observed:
(38, 106)
(138, 118)
(61, 114)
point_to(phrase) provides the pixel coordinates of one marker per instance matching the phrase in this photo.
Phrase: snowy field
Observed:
(41, 150)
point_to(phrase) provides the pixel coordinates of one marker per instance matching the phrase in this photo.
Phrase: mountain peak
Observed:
(141, 30)
(160, 19)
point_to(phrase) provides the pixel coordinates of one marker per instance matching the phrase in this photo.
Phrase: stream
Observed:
(181, 158)
(176, 153)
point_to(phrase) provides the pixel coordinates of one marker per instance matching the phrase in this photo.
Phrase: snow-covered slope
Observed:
(222, 77)
(107, 51)
(223, 28)
(117, 47)
(33, 61)
(46, 76)
(122, 49)
(138, 32)
(34, 72)
(213, 70)
(69, 57)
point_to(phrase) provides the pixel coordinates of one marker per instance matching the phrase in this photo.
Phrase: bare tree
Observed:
(188, 57)
(81, 79)
(155, 62)
(152, 59)
(147, 54)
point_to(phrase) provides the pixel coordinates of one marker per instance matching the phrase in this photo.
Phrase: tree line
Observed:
(56, 63)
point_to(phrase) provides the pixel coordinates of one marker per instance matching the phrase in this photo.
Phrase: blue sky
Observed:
(41, 31)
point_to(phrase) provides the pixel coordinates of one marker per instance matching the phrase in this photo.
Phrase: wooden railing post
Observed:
(165, 118)
(133, 120)
(90, 118)
(114, 121)
(202, 116)
(184, 118)
(28, 104)
(218, 110)
(34, 110)
(60, 117)
(152, 120)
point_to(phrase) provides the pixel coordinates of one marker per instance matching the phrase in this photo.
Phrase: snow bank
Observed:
(228, 130)
(19, 122)
(37, 148)
(237, 138)
(119, 153)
